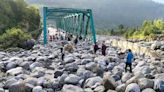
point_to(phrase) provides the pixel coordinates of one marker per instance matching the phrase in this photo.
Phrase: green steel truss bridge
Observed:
(73, 21)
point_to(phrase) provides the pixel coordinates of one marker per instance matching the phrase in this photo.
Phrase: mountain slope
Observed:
(110, 13)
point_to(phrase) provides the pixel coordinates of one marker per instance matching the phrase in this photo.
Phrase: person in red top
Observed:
(103, 48)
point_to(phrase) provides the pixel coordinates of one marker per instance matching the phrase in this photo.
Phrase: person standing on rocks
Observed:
(129, 60)
(76, 40)
(95, 48)
(62, 54)
(103, 48)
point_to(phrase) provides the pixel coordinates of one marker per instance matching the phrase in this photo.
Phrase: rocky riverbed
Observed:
(42, 70)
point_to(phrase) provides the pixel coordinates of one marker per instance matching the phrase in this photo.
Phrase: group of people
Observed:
(103, 48)
(129, 55)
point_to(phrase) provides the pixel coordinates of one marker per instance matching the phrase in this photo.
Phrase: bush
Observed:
(13, 38)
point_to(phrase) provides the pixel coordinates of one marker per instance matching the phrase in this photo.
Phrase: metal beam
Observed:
(45, 25)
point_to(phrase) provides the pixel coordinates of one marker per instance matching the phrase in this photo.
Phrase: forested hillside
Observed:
(17, 17)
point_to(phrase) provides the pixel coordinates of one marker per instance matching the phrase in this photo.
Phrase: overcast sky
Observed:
(109, 13)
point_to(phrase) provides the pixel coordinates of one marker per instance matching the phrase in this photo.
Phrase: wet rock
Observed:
(72, 79)
(132, 88)
(71, 88)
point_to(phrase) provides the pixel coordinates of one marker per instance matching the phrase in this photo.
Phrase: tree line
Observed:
(148, 30)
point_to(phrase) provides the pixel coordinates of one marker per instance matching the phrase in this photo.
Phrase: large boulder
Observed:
(27, 44)
(68, 60)
(132, 88)
(38, 72)
(37, 89)
(11, 65)
(88, 90)
(72, 67)
(148, 90)
(85, 74)
(68, 48)
(72, 79)
(93, 82)
(156, 45)
(108, 81)
(132, 80)
(145, 83)
(31, 80)
(9, 82)
(85, 61)
(71, 88)
(111, 90)
(17, 87)
(25, 65)
(35, 64)
(58, 73)
(15, 71)
(159, 85)
(56, 85)
(126, 77)
(121, 88)
(2, 90)
(99, 89)
(92, 66)
(28, 87)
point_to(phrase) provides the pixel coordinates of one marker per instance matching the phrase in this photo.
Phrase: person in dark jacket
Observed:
(95, 48)
(76, 40)
(103, 48)
(129, 60)
(62, 54)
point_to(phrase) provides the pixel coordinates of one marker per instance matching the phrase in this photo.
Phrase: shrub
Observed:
(13, 37)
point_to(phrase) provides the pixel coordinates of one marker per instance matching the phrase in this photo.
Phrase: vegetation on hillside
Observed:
(148, 30)
(18, 22)
(13, 38)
